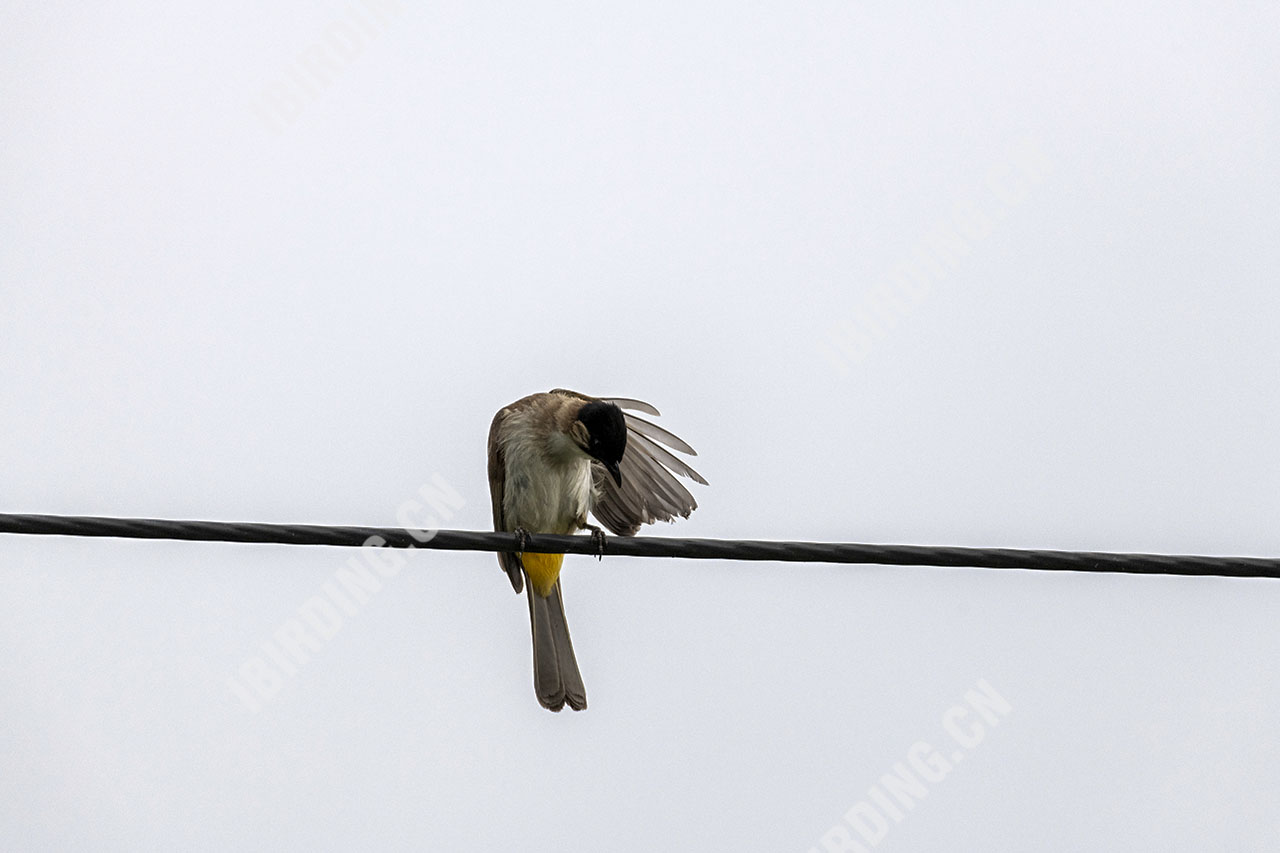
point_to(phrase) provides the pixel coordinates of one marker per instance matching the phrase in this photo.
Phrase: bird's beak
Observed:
(612, 468)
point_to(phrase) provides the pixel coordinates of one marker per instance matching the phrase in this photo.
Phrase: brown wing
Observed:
(650, 491)
(497, 486)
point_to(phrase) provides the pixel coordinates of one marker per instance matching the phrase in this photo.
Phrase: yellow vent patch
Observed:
(543, 569)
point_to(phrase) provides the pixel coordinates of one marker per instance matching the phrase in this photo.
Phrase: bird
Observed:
(554, 457)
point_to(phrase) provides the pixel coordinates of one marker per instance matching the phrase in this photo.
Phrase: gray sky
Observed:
(978, 274)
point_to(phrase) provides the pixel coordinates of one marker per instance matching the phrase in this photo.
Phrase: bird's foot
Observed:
(597, 539)
(522, 538)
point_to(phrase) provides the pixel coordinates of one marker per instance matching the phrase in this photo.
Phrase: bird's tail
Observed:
(556, 679)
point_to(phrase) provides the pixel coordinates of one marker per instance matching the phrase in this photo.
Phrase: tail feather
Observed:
(556, 679)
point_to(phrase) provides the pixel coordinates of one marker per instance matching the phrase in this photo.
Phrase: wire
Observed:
(652, 546)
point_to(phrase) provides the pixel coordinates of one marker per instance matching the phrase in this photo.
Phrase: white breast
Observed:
(548, 482)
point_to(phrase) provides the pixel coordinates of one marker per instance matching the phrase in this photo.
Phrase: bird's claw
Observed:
(597, 539)
(522, 538)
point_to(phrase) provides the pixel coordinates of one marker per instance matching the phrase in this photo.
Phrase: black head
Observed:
(606, 435)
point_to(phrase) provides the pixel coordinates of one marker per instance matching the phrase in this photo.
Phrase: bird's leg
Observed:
(522, 538)
(597, 538)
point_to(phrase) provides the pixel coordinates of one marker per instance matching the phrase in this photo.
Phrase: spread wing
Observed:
(497, 486)
(650, 491)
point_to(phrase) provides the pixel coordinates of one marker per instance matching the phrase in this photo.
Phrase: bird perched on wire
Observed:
(553, 458)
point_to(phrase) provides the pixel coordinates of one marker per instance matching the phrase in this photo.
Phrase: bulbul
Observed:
(553, 458)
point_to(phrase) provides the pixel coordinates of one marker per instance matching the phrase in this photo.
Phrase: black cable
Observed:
(652, 546)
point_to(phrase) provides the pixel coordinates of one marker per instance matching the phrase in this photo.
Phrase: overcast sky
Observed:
(971, 274)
